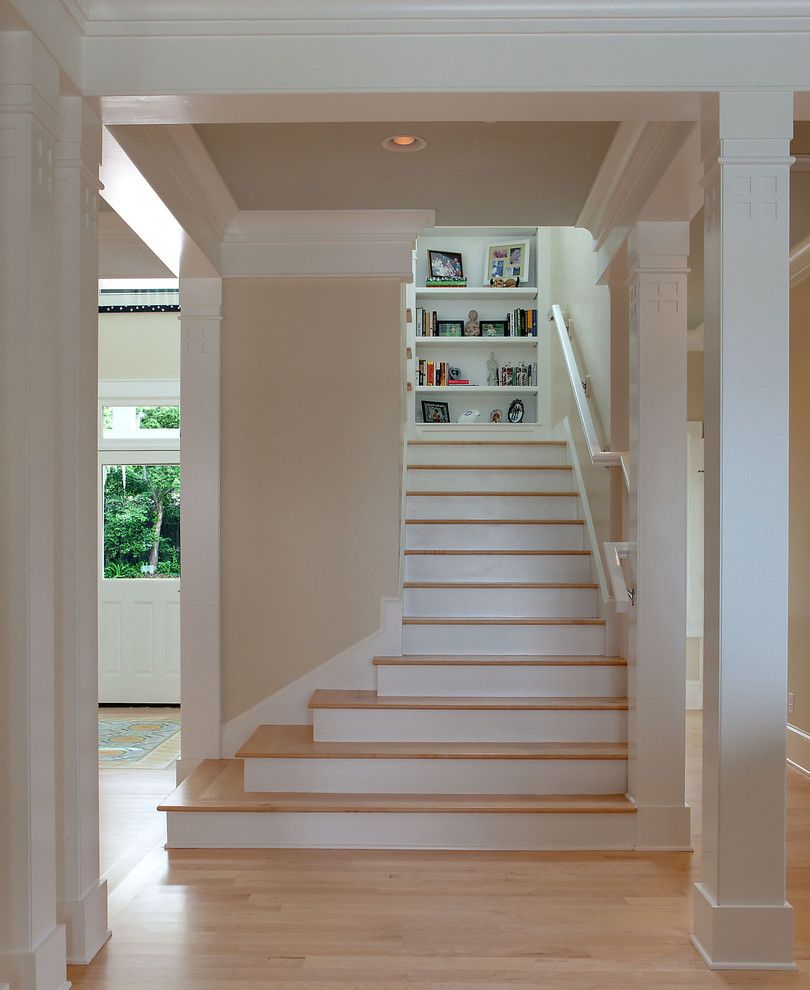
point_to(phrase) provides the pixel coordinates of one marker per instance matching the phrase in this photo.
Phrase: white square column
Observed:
(32, 942)
(657, 256)
(82, 898)
(200, 688)
(741, 918)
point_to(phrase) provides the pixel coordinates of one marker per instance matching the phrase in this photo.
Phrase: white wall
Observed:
(139, 346)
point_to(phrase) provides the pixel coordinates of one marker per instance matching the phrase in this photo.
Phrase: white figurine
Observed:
(492, 369)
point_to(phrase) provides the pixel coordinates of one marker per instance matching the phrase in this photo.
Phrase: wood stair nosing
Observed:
(497, 661)
(218, 786)
(512, 620)
(296, 742)
(508, 585)
(494, 522)
(324, 698)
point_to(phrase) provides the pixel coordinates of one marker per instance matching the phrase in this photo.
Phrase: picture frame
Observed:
(435, 412)
(507, 261)
(516, 411)
(494, 328)
(450, 328)
(445, 265)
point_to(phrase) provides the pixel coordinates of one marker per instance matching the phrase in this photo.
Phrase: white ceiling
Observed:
(471, 173)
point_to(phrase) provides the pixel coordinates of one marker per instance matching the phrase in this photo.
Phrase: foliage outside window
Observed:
(159, 417)
(142, 520)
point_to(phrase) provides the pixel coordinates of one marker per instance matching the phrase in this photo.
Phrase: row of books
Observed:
(518, 374)
(522, 323)
(436, 373)
(427, 323)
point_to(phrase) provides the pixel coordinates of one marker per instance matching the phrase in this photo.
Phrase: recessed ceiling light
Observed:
(404, 142)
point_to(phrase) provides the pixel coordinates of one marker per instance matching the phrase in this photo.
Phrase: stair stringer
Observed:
(351, 669)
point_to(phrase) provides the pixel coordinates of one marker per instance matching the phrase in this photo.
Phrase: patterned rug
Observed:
(138, 742)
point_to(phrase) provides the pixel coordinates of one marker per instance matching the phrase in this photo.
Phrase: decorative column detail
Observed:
(200, 319)
(741, 918)
(657, 257)
(32, 943)
(82, 898)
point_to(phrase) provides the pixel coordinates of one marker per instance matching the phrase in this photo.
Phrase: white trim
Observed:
(586, 512)
(260, 243)
(138, 391)
(797, 748)
(349, 669)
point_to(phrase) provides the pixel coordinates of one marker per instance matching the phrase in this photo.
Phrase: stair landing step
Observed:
(218, 786)
(491, 467)
(487, 443)
(495, 522)
(500, 584)
(291, 742)
(497, 661)
(324, 698)
(480, 494)
(496, 553)
(464, 620)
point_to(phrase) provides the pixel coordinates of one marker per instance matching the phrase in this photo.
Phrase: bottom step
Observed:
(211, 809)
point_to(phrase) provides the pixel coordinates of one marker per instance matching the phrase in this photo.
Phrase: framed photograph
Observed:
(507, 262)
(450, 328)
(516, 410)
(435, 412)
(445, 264)
(494, 328)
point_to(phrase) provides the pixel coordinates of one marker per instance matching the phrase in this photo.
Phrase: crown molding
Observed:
(638, 158)
(800, 262)
(323, 243)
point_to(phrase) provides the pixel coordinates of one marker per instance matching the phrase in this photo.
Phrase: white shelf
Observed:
(480, 389)
(476, 341)
(522, 293)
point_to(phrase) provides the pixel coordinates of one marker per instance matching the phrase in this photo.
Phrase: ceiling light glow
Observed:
(404, 142)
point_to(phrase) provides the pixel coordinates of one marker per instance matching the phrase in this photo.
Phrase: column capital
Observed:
(29, 83)
(746, 128)
(658, 246)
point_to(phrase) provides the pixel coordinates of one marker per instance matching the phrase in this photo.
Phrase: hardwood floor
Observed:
(336, 920)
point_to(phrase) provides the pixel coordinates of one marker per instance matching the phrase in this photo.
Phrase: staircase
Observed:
(503, 725)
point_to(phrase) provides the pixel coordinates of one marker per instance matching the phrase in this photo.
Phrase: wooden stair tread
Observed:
(490, 467)
(498, 661)
(500, 584)
(477, 494)
(296, 742)
(218, 786)
(495, 522)
(512, 620)
(487, 443)
(325, 698)
(495, 553)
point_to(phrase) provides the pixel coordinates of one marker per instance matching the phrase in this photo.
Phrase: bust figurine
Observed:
(492, 369)
(472, 328)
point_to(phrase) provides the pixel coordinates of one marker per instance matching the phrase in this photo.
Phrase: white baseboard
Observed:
(86, 925)
(797, 748)
(694, 696)
(42, 968)
(349, 670)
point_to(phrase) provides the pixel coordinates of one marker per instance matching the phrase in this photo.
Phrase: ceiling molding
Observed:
(323, 243)
(176, 164)
(637, 160)
(800, 262)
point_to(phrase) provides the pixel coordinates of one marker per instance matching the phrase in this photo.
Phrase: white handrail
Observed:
(615, 553)
(607, 458)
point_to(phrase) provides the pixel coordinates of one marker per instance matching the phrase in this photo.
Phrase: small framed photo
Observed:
(435, 412)
(450, 328)
(445, 264)
(516, 411)
(508, 263)
(494, 328)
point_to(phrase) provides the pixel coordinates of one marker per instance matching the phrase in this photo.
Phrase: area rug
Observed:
(138, 742)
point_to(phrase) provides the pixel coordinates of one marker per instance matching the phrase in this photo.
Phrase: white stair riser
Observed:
(441, 725)
(490, 481)
(491, 507)
(497, 567)
(501, 681)
(500, 453)
(537, 602)
(485, 536)
(463, 640)
(315, 776)
(207, 830)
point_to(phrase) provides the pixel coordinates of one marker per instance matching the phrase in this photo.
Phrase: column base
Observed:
(44, 968)
(86, 924)
(756, 936)
(663, 828)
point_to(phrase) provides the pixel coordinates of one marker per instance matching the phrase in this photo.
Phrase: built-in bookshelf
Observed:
(513, 333)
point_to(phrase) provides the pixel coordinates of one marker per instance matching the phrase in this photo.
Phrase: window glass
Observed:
(142, 521)
(132, 422)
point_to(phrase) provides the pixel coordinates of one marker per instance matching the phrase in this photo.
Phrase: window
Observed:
(146, 423)
(141, 520)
